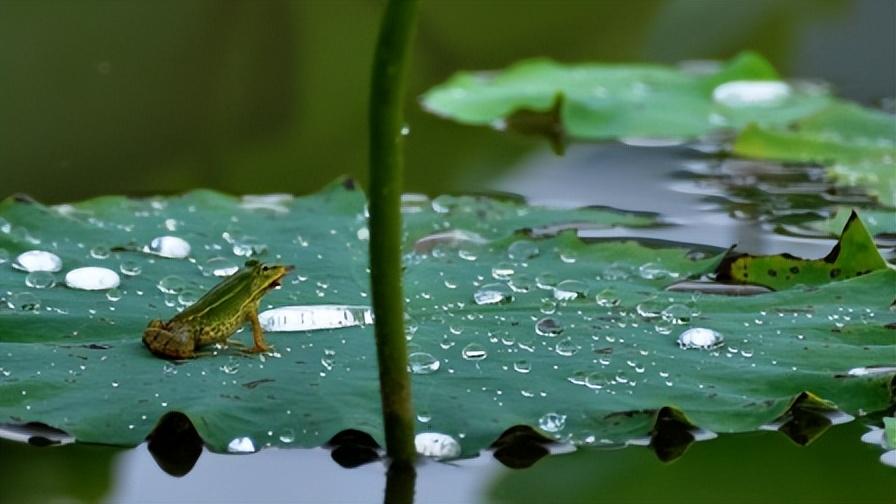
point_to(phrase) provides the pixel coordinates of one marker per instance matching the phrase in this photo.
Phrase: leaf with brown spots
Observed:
(854, 255)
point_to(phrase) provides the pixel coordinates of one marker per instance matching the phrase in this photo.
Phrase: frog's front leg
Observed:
(257, 333)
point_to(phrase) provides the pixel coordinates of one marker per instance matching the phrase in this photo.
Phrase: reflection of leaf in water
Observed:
(854, 255)
(567, 337)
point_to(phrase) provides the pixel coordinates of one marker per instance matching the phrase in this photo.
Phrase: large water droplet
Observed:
(92, 278)
(241, 445)
(552, 422)
(422, 363)
(567, 290)
(699, 337)
(436, 445)
(549, 327)
(751, 93)
(493, 293)
(168, 246)
(38, 260)
(522, 250)
(474, 352)
(314, 317)
(219, 267)
(40, 280)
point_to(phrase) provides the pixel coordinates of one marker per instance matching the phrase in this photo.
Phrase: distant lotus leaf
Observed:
(515, 327)
(854, 255)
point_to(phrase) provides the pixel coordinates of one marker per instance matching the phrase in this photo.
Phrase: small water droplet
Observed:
(521, 282)
(522, 366)
(422, 363)
(474, 352)
(287, 436)
(171, 247)
(231, 367)
(424, 417)
(247, 246)
(130, 268)
(654, 271)
(23, 301)
(552, 422)
(522, 250)
(751, 93)
(99, 252)
(38, 260)
(40, 280)
(493, 293)
(171, 284)
(219, 267)
(607, 298)
(113, 294)
(566, 347)
(502, 271)
(701, 338)
(546, 281)
(92, 278)
(548, 326)
(567, 290)
(677, 314)
(187, 297)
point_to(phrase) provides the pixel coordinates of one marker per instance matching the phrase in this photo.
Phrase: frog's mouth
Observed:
(276, 283)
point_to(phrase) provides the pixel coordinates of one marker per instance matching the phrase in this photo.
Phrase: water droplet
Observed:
(23, 301)
(314, 317)
(4, 255)
(677, 314)
(467, 255)
(99, 252)
(444, 203)
(38, 260)
(615, 271)
(566, 347)
(548, 306)
(654, 271)
(546, 281)
(474, 352)
(187, 297)
(287, 436)
(650, 309)
(699, 337)
(493, 293)
(113, 294)
(230, 367)
(549, 327)
(522, 366)
(40, 280)
(405, 130)
(436, 445)
(552, 422)
(171, 284)
(247, 246)
(521, 283)
(607, 298)
(241, 445)
(219, 267)
(130, 268)
(747, 93)
(422, 363)
(502, 271)
(168, 246)
(568, 256)
(92, 278)
(522, 250)
(567, 290)
(414, 203)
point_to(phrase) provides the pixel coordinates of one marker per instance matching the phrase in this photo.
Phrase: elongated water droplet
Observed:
(38, 260)
(751, 93)
(314, 317)
(436, 445)
(474, 352)
(92, 278)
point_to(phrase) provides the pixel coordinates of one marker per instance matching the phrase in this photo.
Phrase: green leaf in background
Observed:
(890, 433)
(606, 101)
(858, 146)
(854, 255)
(878, 222)
(506, 326)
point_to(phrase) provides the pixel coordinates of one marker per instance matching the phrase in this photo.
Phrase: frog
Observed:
(218, 314)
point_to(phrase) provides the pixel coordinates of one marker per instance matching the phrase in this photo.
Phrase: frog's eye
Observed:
(265, 268)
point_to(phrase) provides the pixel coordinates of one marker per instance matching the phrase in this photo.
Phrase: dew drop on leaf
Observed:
(493, 293)
(241, 445)
(40, 280)
(474, 352)
(552, 422)
(548, 326)
(522, 250)
(92, 278)
(23, 301)
(38, 260)
(700, 338)
(171, 247)
(422, 363)
(130, 268)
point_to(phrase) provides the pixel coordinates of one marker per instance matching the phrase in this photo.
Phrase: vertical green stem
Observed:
(386, 173)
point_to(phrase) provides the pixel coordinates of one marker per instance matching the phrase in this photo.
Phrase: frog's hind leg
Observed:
(164, 343)
(257, 334)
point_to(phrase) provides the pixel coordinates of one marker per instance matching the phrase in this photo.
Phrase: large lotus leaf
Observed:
(854, 255)
(858, 145)
(878, 222)
(605, 101)
(579, 339)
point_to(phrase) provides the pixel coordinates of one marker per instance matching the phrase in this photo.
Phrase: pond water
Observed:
(703, 201)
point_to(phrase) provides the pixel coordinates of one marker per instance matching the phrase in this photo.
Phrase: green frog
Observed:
(217, 314)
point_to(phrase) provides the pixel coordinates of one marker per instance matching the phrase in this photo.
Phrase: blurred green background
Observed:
(270, 96)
